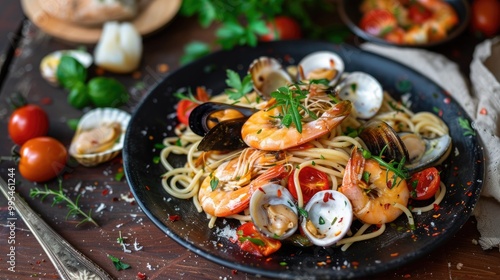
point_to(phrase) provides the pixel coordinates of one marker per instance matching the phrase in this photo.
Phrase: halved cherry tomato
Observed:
(282, 28)
(424, 184)
(26, 122)
(311, 181)
(378, 22)
(252, 241)
(485, 16)
(42, 158)
(185, 106)
(418, 14)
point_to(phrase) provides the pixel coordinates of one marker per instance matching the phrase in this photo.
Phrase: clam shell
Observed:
(271, 194)
(321, 60)
(331, 214)
(49, 64)
(93, 119)
(364, 91)
(268, 75)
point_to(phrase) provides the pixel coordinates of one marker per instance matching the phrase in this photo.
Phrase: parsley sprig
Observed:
(238, 87)
(288, 98)
(466, 126)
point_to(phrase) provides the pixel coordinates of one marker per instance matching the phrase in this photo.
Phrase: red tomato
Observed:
(42, 158)
(424, 184)
(282, 28)
(485, 16)
(251, 240)
(378, 22)
(185, 106)
(419, 14)
(395, 36)
(311, 181)
(26, 122)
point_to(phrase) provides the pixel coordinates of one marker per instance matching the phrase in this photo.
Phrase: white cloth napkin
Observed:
(482, 103)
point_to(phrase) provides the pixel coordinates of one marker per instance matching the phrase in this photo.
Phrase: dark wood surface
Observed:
(161, 257)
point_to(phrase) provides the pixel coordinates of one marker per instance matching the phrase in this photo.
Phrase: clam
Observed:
(419, 153)
(321, 65)
(273, 211)
(268, 75)
(364, 91)
(49, 64)
(329, 217)
(99, 136)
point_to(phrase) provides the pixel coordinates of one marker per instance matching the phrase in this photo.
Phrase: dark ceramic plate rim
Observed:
(462, 6)
(148, 126)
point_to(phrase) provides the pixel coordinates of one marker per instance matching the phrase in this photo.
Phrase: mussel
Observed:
(364, 91)
(329, 217)
(321, 65)
(273, 211)
(419, 153)
(267, 76)
(220, 125)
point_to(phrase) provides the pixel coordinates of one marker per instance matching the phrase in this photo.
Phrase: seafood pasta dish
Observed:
(298, 155)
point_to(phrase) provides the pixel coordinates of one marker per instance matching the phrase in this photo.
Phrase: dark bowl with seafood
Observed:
(155, 118)
(351, 14)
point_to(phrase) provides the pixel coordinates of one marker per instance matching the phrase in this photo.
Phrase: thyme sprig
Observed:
(398, 167)
(288, 98)
(59, 197)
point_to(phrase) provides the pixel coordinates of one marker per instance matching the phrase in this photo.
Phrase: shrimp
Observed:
(235, 182)
(373, 202)
(264, 130)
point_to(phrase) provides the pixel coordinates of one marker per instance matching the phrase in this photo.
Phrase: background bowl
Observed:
(350, 13)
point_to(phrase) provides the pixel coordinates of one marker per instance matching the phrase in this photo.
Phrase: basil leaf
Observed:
(107, 92)
(70, 72)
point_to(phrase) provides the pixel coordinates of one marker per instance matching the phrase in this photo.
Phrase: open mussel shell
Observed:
(267, 76)
(207, 115)
(273, 211)
(321, 65)
(419, 153)
(329, 217)
(378, 136)
(225, 136)
(99, 136)
(49, 64)
(364, 91)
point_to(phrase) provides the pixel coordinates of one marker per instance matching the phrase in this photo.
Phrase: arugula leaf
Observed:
(119, 265)
(238, 88)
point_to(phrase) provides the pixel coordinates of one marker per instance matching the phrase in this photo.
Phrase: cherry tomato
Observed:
(42, 158)
(378, 22)
(311, 181)
(26, 122)
(185, 106)
(252, 241)
(282, 28)
(485, 16)
(418, 14)
(424, 184)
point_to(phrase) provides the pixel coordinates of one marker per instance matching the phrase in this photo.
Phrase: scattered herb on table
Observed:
(59, 197)
(119, 265)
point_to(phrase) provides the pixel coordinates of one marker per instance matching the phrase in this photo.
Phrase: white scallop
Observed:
(332, 218)
(364, 91)
(93, 119)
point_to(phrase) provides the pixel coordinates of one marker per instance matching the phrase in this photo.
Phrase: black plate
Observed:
(155, 118)
(351, 15)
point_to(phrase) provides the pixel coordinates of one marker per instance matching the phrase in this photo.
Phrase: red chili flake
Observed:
(436, 234)
(355, 263)
(99, 71)
(469, 183)
(387, 205)
(162, 68)
(483, 111)
(105, 192)
(151, 137)
(174, 218)
(407, 275)
(269, 259)
(260, 189)
(147, 187)
(327, 196)
(394, 254)
(469, 194)
(436, 216)
(46, 101)
(17, 52)
(114, 199)
(287, 58)
(279, 193)
(440, 113)
(389, 184)
(234, 271)
(436, 207)
(141, 276)
(447, 100)
(136, 75)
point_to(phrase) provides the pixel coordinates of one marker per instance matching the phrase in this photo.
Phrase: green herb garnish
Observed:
(288, 98)
(238, 87)
(466, 126)
(394, 166)
(119, 265)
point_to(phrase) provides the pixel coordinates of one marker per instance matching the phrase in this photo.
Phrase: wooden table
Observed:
(160, 257)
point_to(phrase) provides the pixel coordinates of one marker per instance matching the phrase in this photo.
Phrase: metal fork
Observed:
(69, 262)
